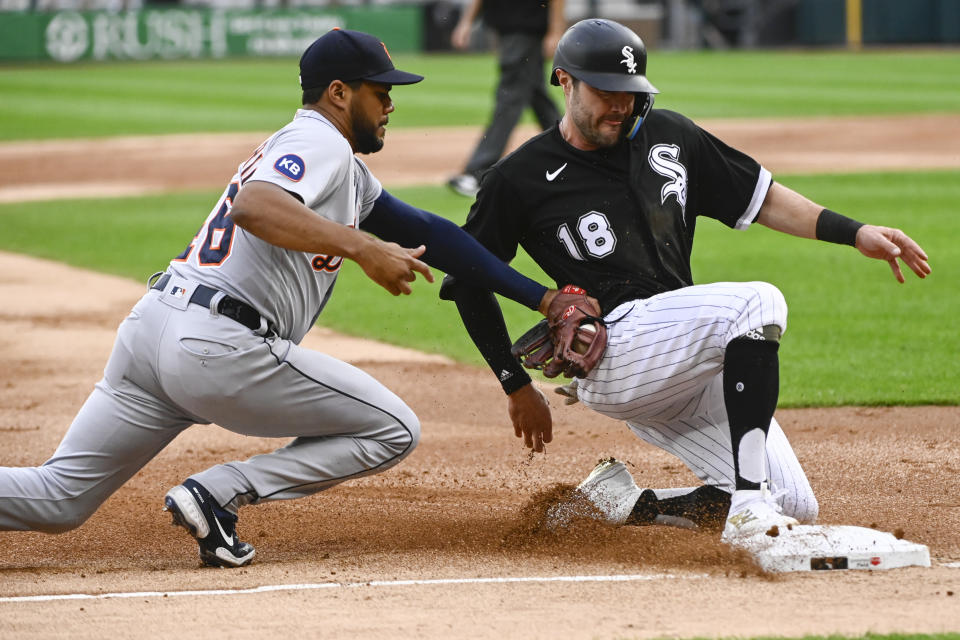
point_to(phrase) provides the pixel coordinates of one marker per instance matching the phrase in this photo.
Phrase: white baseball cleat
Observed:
(607, 494)
(754, 512)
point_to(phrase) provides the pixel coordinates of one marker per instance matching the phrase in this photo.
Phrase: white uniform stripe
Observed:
(759, 193)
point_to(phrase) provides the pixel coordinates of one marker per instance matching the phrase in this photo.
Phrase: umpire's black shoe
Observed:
(195, 510)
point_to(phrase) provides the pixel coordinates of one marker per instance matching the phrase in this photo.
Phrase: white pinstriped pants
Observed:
(662, 373)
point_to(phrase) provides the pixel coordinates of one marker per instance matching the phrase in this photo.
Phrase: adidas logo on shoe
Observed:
(754, 512)
(740, 519)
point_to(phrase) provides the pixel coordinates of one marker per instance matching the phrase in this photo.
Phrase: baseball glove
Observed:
(570, 340)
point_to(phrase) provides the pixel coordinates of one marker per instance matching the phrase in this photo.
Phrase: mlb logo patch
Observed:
(291, 166)
(178, 292)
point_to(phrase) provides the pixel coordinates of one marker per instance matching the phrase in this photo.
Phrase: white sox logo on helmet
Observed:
(628, 60)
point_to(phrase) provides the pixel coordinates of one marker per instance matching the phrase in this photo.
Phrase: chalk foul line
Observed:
(350, 585)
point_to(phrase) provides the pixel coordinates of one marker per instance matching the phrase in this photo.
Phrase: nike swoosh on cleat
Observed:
(553, 175)
(228, 539)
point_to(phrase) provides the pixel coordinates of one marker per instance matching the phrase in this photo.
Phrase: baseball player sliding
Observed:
(215, 338)
(608, 200)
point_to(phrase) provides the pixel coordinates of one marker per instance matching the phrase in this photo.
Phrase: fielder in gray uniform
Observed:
(215, 338)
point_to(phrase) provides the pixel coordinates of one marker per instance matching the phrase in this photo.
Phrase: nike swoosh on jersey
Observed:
(227, 539)
(552, 176)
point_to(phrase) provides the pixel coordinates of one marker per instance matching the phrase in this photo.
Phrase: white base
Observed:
(831, 547)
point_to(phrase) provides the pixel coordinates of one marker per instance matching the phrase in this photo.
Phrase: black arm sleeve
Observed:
(450, 249)
(483, 320)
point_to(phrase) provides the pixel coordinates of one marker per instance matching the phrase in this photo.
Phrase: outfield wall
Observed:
(70, 36)
(425, 25)
(882, 22)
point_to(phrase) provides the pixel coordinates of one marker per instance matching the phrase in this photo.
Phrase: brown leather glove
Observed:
(571, 340)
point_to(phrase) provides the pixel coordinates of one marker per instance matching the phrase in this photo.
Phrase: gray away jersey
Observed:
(310, 158)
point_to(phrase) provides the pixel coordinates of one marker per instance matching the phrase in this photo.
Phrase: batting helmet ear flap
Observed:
(642, 103)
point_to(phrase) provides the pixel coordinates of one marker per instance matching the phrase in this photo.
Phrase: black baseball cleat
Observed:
(705, 508)
(195, 510)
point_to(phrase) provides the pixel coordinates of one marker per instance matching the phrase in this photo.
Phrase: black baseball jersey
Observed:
(618, 222)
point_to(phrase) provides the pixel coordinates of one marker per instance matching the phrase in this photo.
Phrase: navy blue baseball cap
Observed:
(341, 54)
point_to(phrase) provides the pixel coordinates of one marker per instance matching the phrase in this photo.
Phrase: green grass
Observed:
(133, 98)
(855, 336)
(798, 83)
(874, 636)
(130, 237)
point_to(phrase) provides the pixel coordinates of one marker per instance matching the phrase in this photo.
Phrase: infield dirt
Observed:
(463, 505)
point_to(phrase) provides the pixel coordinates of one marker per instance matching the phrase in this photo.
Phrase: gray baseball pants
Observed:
(174, 367)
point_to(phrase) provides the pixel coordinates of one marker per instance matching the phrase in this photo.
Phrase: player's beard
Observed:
(589, 124)
(366, 138)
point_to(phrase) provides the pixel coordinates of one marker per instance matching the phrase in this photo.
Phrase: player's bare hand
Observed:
(884, 243)
(530, 413)
(393, 267)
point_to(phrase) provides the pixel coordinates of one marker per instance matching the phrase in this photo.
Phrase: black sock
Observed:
(751, 385)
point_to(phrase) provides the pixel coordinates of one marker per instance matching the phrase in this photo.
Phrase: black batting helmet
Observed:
(604, 54)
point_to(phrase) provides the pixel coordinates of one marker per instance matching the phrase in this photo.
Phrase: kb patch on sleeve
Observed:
(290, 165)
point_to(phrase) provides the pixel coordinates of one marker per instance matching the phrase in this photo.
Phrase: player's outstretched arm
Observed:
(786, 210)
(275, 216)
(453, 250)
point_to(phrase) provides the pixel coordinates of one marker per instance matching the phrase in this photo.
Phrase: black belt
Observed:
(230, 307)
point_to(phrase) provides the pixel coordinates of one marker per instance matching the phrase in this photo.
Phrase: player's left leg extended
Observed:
(110, 439)
(121, 426)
